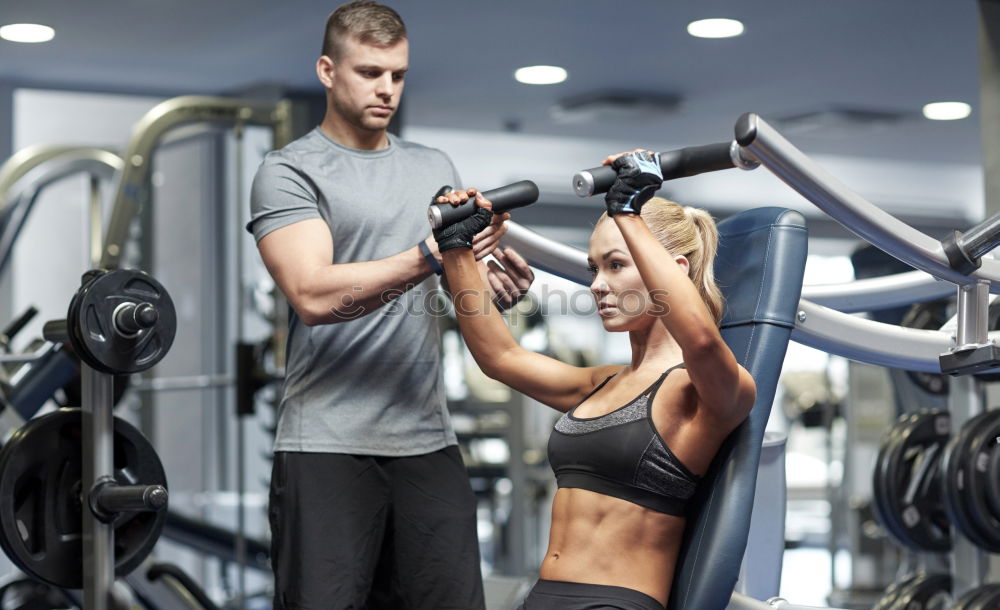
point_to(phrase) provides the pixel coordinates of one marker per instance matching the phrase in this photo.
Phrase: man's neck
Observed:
(352, 137)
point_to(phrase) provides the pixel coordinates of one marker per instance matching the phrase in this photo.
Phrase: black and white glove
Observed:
(460, 234)
(639, 176)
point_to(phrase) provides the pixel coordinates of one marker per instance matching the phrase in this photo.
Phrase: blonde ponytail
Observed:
(703, 260)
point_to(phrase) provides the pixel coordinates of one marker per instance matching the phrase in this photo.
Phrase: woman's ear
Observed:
(683, 262)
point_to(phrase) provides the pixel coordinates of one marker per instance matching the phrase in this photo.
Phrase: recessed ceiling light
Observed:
(715, 28)
(947, 111)
(540, 75)
(27, 32)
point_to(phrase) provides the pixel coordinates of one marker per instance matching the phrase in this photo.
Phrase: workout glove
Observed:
(639, 176)
(460, 234)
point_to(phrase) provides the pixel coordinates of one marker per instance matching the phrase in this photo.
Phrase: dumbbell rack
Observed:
(119, 322)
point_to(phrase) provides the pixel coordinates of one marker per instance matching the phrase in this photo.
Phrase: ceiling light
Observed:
(540, 75)
(947, 111)
(715, 28)
(27, 32)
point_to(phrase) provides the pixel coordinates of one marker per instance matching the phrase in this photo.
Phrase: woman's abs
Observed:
(602, 540)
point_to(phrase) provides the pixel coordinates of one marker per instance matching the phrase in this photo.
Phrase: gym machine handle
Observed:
(682, 163)
(965, 250)
(17, 325)
(504, 198)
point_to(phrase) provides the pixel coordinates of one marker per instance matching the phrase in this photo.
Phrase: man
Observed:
(370, 504)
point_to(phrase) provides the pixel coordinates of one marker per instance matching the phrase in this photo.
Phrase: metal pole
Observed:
(96, 220)
(973, 312)
(241, 543)
(97, 461)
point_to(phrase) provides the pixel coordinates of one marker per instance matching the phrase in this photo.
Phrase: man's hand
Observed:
(508, 277)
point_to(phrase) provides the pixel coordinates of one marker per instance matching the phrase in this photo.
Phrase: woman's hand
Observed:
(639, 177)
(483, 233)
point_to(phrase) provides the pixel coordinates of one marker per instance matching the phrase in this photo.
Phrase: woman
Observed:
(634, 440)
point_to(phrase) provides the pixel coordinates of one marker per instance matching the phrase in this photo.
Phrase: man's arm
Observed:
(298, 258)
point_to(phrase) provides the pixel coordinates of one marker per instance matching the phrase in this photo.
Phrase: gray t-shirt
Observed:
(372, 385)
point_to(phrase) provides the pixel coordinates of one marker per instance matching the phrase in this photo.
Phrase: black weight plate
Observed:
(964, 503)
(965, 601)
(91, 322)
(882, 485)
(993, 323)
(987, 597)
(993, 479)
(40, 508)
(925, 592)
(891, 593)
(976, 476)
(909, 496)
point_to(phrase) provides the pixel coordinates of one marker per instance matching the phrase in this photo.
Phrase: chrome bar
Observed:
(868, 341)
(192, 382)
(878, 293)
(856, 214)
(547, 254)
(31, 169)
(148, 132)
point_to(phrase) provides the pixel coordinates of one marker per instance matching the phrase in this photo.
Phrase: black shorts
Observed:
(558, 595)
(369, 532)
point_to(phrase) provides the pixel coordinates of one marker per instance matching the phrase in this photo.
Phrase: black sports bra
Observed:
(621, 454)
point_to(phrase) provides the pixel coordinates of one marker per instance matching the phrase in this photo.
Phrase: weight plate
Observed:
(881, 482)
(925, 592)
(964, 469)
(891, 593)
(965, 601)
(987, 597)
(40, 498)
(93, 332)
(993, 479)
(908, 496)
(977, 474)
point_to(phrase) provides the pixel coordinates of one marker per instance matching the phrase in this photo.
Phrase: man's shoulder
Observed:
(309, 144)
(415, 148)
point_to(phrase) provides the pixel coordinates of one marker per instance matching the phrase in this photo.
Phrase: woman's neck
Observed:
(654, 348)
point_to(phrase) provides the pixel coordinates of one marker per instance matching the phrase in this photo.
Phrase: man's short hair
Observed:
(368, 22)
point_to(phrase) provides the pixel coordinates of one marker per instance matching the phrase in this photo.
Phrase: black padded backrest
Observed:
(759, 267)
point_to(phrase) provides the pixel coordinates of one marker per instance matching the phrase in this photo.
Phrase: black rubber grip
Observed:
(682, 163)
(15, 327)
(516, 195)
